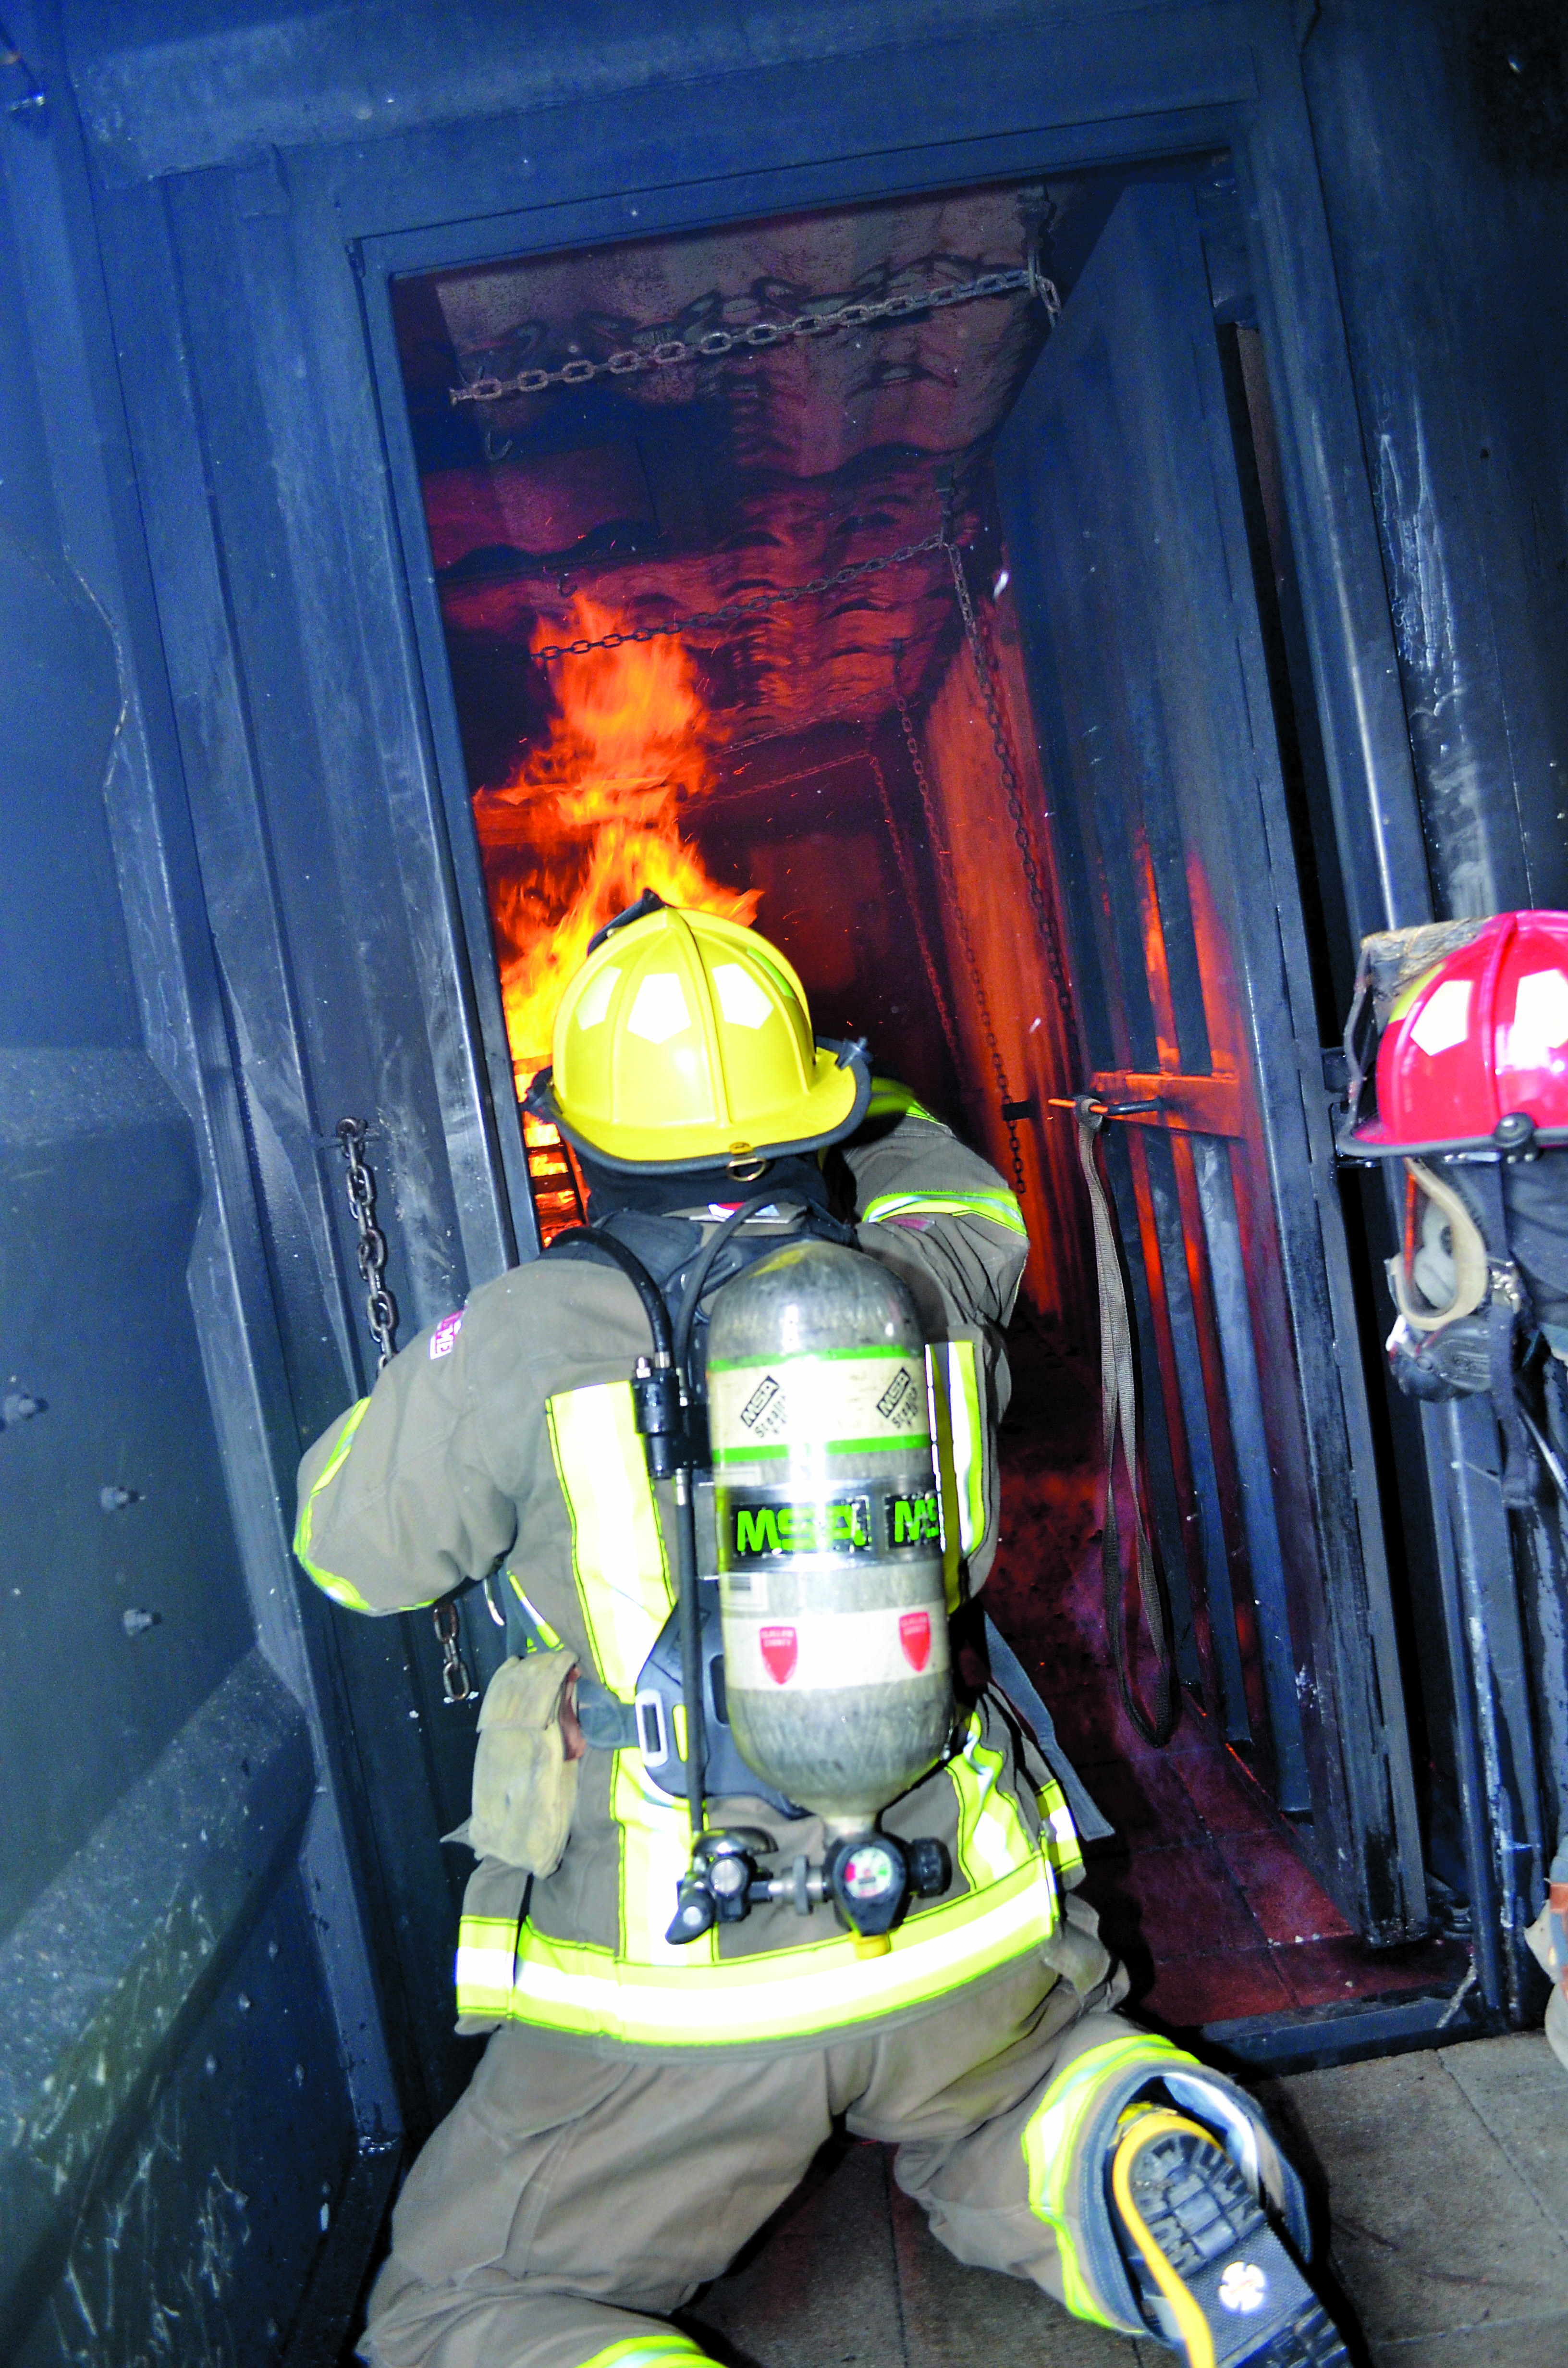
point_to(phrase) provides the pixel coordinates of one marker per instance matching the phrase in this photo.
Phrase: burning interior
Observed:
(729, 614)
(818, 759)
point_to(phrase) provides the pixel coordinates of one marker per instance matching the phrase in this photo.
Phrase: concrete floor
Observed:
(1446, 2181)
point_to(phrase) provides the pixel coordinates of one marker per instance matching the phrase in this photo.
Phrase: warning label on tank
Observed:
(830, 1651)
(852, 1402)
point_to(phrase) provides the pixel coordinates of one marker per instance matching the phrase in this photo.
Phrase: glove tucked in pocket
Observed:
(524, 1786)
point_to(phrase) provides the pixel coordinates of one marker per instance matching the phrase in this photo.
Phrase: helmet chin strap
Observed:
(1473, 1274)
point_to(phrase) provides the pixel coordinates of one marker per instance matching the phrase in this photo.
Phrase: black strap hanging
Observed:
(1509, 1321)
(1119, 1424)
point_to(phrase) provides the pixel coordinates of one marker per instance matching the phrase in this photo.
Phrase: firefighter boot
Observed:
(1212, 2277)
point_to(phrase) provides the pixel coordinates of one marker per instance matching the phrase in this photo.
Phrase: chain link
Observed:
(955, 905)
(457, 1685)
(381, 1311)
(984, 669)
(760, 336)
(736, 612)
(381, 1307)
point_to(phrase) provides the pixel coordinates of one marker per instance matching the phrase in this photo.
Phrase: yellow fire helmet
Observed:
(685, 1041)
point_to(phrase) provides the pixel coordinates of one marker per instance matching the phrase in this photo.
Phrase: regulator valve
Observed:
(870, 1878)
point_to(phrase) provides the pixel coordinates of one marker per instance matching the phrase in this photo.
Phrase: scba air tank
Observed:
(836, 1668)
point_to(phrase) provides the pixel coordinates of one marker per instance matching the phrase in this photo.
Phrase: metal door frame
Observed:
(1182, 770)
(282, 184)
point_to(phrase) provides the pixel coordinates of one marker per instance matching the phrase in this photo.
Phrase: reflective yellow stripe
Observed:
(618, 1549)
(992, 1837)
(650, 2351)
(1050, 2134)
(957, 1427)
(1058, 1835)
(340, 1590)
(568, 1986)
(889, 1099)
(645, 1991)
(623, 1586)
(486, 1952)
(655, 1851)
(996, 1208)
(947, 1480)
(547, 1634)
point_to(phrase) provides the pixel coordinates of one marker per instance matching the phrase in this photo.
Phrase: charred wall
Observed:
(990, 915)
(1442, 137)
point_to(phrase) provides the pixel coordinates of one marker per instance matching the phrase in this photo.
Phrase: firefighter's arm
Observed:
(943, 1219)
(924, 1201)
(400, 1501)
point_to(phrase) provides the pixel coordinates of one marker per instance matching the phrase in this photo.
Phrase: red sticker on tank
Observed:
(780, 1650)
(914, 1636)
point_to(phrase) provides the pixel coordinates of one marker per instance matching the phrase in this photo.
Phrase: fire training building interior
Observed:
(845, 746)
(1057, 513)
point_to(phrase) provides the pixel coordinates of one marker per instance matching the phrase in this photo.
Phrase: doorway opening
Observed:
(742, 601)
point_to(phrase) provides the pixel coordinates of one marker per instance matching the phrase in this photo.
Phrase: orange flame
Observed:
(589, 820)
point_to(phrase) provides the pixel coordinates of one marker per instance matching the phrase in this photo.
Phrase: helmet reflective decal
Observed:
(1540, 1019)
(660, 1009)
(593, 1003)
(741, 1000)
(786, 987)
(1445, 1019)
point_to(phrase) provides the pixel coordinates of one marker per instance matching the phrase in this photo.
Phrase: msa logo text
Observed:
(914, 1521)
(763, 1412)
(836, 1527)
(900, 1402)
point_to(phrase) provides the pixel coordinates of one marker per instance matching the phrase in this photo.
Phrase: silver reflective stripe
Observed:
(959, 1423)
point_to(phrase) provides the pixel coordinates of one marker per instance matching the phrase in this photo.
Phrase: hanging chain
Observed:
(1010, 1112)
(381, 1307)
(672, 353)
(737, 611)
(916, 913)
(984, 669)
(381, 1313)
(457, 1685)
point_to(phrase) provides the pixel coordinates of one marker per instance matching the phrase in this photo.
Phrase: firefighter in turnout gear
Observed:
(1471, 1081)
(1470, 1084)
(710, 1916)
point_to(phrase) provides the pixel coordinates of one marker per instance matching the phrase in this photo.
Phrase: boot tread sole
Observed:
(1198, 2211)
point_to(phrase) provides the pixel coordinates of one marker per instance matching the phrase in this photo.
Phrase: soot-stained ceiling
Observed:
(679, 490)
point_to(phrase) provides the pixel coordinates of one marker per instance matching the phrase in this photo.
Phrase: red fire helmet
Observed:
(1481, 1036)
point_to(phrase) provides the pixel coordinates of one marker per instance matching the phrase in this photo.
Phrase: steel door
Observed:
(1120, 500)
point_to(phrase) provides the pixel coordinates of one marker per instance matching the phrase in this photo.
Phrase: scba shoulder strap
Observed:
(663, 1254)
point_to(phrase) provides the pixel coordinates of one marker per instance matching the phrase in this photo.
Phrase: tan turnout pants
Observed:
(576, 2195)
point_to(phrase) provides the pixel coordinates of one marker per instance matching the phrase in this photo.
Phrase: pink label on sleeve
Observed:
(443, 1340)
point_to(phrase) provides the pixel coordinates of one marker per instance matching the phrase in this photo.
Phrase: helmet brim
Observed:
(1371, 1143)
(834, 1107)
